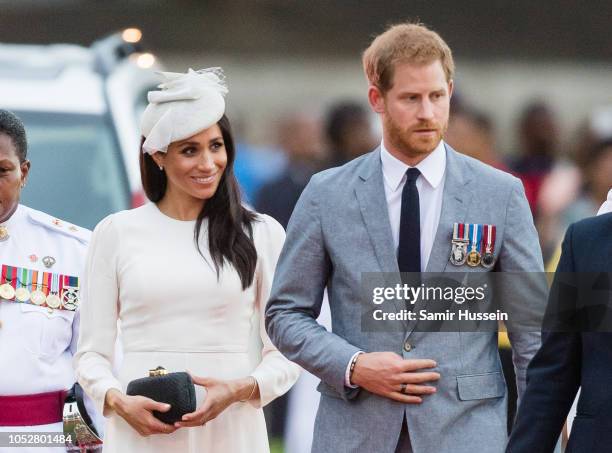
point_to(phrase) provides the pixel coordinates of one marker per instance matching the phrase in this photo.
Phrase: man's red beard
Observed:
(408, 142)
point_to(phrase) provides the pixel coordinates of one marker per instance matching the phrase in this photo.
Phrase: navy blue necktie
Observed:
(409, 251)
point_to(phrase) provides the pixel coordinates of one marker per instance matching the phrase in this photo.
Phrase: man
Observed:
(300, 137)
(570, 359)
(393, 210)
(42, 259)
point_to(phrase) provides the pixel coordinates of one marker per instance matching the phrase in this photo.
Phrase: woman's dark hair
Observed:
(230, 231)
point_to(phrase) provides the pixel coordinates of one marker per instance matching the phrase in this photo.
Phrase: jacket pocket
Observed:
(481, 386)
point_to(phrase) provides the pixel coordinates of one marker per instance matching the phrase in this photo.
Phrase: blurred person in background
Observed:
(574, 189)
(471, 133)
(300, 137)
(539, 136)
(255, 165)
(42, 260)
(349, 132)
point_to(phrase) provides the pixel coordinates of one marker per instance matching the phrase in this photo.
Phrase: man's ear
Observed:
(25, 170)
(451, 85)
(376, 99)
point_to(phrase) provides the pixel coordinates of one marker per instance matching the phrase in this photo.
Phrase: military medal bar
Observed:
(473, 244)
(44, 289)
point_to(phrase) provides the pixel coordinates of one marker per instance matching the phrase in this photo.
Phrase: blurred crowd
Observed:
(563, 183)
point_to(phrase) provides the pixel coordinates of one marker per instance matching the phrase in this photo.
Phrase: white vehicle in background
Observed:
(81, 107)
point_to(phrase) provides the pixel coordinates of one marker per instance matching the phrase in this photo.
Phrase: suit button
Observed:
(407, 347)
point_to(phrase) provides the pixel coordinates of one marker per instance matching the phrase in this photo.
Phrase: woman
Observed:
(41, 258)
(185, 276)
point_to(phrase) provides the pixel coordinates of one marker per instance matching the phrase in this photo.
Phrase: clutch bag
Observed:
(176, 389)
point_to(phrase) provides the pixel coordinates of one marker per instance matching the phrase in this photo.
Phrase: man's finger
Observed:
(417, 364)
(412, 389)
(416, 378)
(407, 399)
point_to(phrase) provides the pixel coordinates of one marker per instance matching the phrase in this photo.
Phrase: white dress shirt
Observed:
(430, 185)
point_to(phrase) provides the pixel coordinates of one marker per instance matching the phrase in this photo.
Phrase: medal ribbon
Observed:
(24, 278)
(476, 234)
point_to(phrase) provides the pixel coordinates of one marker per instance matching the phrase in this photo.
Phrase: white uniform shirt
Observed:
(37, 343)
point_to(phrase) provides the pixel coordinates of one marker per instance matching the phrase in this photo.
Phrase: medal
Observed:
(473, 258)
(53, 300)
(38, 297)
(488, 239)
(4, 233)
(460, 242)
(22, 294)
(7, 291)
(70, 292)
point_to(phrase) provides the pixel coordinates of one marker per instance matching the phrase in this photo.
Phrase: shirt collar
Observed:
(607, 205)
(431, 168)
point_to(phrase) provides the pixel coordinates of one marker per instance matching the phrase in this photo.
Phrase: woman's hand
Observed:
(219, 395)
(137, 411)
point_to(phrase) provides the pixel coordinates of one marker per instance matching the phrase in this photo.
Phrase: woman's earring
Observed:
(161, 168)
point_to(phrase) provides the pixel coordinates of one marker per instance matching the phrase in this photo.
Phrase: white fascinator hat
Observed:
(186, 104)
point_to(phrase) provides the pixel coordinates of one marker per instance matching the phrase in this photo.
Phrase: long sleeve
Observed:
(297, 295)
(521, 253)
(99, 314)
(275, 374)
(553, 379)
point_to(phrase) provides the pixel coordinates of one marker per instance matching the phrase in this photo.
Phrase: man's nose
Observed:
(426, 110)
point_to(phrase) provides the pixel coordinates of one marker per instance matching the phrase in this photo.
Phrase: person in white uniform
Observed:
(186, 275)
(41, 259)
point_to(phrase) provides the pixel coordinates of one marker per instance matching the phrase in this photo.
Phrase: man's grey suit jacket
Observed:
(339, 229)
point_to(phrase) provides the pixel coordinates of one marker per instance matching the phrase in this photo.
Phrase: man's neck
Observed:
(409, 158)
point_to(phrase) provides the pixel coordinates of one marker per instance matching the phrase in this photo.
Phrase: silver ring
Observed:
(403, 388)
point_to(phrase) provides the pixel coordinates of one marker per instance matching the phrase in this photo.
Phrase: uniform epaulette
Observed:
(60, 226)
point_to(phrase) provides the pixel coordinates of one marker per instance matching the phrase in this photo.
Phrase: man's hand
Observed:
(383, 373)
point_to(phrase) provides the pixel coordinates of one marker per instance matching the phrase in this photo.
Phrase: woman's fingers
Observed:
(152, 405)
(201, 380)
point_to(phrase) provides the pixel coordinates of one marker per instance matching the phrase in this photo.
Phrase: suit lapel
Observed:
(455, 203)
(370, 192)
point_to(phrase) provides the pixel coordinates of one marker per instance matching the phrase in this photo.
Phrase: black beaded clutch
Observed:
(176, 389)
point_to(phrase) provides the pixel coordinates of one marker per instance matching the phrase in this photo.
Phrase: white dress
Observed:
(143, 269)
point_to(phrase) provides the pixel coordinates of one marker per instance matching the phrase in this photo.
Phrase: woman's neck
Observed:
(180, 207)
